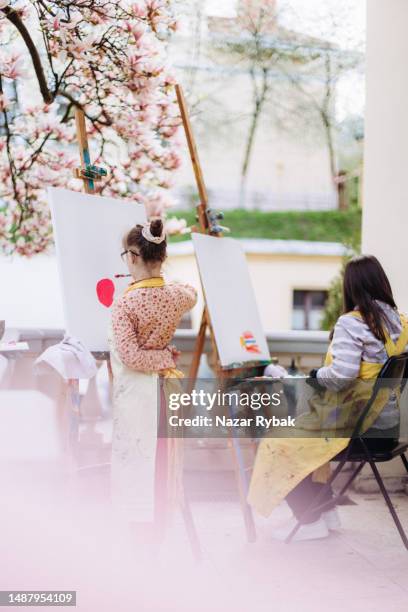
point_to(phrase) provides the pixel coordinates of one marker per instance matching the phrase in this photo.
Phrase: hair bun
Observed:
(156, 227)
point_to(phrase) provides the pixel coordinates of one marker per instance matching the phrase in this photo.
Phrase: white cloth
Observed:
(134, 440)
(275, 371)
(69, 358)
(4, 363)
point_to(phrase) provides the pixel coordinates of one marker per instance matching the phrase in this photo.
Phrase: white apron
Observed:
(134, 440)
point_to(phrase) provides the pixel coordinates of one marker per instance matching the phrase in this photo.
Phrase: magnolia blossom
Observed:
(109, 58)
(175, 226)
(12, 66)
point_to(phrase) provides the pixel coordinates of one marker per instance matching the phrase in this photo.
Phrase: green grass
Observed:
(326, 226)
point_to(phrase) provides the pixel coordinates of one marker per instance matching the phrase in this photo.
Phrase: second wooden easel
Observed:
(208, 224)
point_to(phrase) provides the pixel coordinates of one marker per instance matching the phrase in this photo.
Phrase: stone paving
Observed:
(57, 534)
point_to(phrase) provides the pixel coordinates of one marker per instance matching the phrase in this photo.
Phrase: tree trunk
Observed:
(330, 147)
(326, 119)
(259, 99)
(248, 154)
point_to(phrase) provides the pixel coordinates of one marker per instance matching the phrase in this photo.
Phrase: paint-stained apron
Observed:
(146, 471)
(283, 462)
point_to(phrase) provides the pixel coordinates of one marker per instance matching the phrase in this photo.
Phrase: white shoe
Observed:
(310, 531)
(332, 519)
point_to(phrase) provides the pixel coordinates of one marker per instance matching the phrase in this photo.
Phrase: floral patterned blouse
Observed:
(144, 321)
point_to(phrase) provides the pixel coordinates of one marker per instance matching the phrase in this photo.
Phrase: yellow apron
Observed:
(282, 463)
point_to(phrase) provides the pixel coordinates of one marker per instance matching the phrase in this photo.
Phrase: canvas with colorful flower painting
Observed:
(230, 300)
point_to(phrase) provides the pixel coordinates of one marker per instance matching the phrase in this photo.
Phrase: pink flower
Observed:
(175, 226)
(110, 61)
(139, 10)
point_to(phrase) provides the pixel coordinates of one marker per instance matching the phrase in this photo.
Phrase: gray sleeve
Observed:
(346, 349)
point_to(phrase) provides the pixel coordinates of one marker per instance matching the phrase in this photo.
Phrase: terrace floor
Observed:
(59, 533)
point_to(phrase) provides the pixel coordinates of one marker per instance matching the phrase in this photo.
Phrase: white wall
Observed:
(30, 295)
(274, 278)
(286, 171)
(30, 292)
(385, 215)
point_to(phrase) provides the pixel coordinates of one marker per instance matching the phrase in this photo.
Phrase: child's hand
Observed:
(175, 352)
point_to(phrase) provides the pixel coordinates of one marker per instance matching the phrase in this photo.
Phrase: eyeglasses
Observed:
(123, 255)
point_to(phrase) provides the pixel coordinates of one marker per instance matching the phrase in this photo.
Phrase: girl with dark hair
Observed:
(369, 332)
(144, 320)
(369, 316)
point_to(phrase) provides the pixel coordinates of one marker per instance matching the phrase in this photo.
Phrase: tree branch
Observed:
(75, 102)
(15, 19)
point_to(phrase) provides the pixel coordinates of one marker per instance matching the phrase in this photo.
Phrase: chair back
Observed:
(393, 376)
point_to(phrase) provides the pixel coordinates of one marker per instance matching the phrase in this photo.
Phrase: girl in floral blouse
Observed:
(143, 323)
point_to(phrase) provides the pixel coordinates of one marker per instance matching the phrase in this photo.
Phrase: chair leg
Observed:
(404, 461)
(241, 479)
(351, 479)
(388, 500)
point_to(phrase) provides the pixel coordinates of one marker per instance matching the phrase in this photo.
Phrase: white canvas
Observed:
(230, 299)
(88, 232)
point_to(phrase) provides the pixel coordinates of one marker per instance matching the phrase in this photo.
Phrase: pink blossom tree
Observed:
(107, 58)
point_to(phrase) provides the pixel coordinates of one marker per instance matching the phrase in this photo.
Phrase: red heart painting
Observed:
(105, 290)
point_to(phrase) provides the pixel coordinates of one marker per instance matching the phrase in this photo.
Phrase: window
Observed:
(308, 307)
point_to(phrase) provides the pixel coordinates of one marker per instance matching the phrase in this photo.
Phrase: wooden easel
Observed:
(89, 174)
(208, 224)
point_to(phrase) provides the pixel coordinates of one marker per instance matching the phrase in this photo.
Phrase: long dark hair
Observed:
(365, 282)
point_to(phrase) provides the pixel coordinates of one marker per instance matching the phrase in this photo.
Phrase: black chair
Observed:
(393, 376)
